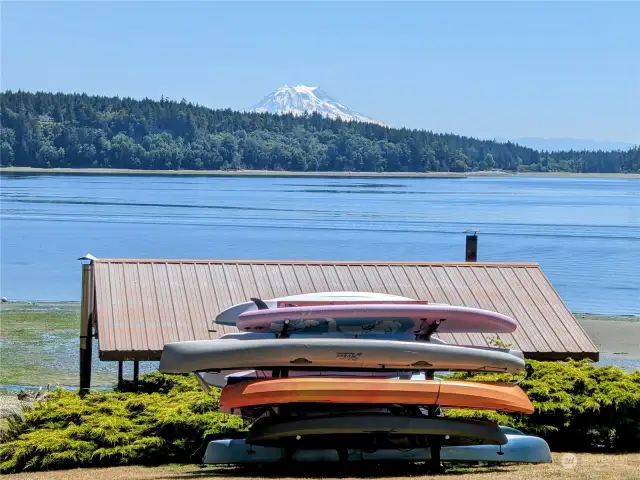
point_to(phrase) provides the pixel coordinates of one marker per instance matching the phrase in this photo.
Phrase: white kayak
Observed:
(389, 337)
(230, 315)
(520, 448)
(332, 353)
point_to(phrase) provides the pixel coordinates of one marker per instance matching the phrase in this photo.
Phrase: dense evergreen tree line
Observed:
(81, 131)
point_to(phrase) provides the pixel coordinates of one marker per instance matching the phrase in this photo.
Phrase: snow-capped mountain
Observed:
(301, 98)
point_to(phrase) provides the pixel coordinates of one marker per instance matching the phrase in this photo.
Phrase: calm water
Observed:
(585, 233)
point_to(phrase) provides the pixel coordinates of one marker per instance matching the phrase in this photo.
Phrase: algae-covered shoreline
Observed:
(39, 343)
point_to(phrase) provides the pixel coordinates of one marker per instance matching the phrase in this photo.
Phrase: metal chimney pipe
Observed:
(471, 253)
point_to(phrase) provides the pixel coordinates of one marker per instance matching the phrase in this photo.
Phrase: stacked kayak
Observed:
(354, 374)
(520, 448)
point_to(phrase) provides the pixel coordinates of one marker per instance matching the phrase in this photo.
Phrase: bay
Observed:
(584, 232)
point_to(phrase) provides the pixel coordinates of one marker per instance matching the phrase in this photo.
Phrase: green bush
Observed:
(578, 406)
(168, 418)
(169, 422)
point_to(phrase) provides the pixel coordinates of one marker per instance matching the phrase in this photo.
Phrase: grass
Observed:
(585, 467)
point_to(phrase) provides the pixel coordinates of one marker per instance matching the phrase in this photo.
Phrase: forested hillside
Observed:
(82, 131)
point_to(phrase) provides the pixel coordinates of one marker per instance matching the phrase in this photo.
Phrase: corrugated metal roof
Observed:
(143, 304)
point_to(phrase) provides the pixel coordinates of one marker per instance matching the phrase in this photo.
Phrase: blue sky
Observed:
(507, 69)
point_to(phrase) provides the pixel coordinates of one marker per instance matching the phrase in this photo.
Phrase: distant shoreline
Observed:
(274, 173)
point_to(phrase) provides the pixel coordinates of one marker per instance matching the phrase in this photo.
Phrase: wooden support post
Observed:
(86, 327)
(434, 465)
(136, 370)
(120, 374)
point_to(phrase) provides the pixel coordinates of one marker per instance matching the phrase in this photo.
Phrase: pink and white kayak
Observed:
(376, 318)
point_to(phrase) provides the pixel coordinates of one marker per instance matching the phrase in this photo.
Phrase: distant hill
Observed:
(301, 98)
(81, 131)
(559, 144)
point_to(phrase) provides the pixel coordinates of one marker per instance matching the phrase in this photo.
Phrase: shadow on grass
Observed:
(324, 470)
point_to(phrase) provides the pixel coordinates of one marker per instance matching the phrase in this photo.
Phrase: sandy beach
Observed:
(273, 173)
(613, 335)
(248, 173)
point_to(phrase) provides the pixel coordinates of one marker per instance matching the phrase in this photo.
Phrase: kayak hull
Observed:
(332, 353)
(381, 391)
(371, 431)
(518, 449)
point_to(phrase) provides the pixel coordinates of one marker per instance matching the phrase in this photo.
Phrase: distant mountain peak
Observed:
(303, 88)
(298, 99)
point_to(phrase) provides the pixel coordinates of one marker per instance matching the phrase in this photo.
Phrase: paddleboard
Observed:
(230, 315)
(331, 354)
(519, 449)
(376, 319)
(371, 431)
(497, 396)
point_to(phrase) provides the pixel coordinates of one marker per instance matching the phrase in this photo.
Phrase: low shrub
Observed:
(578, 406)
(170, 421)
(168, 418)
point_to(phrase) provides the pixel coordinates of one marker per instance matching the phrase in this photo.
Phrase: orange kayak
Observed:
(446, 393)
